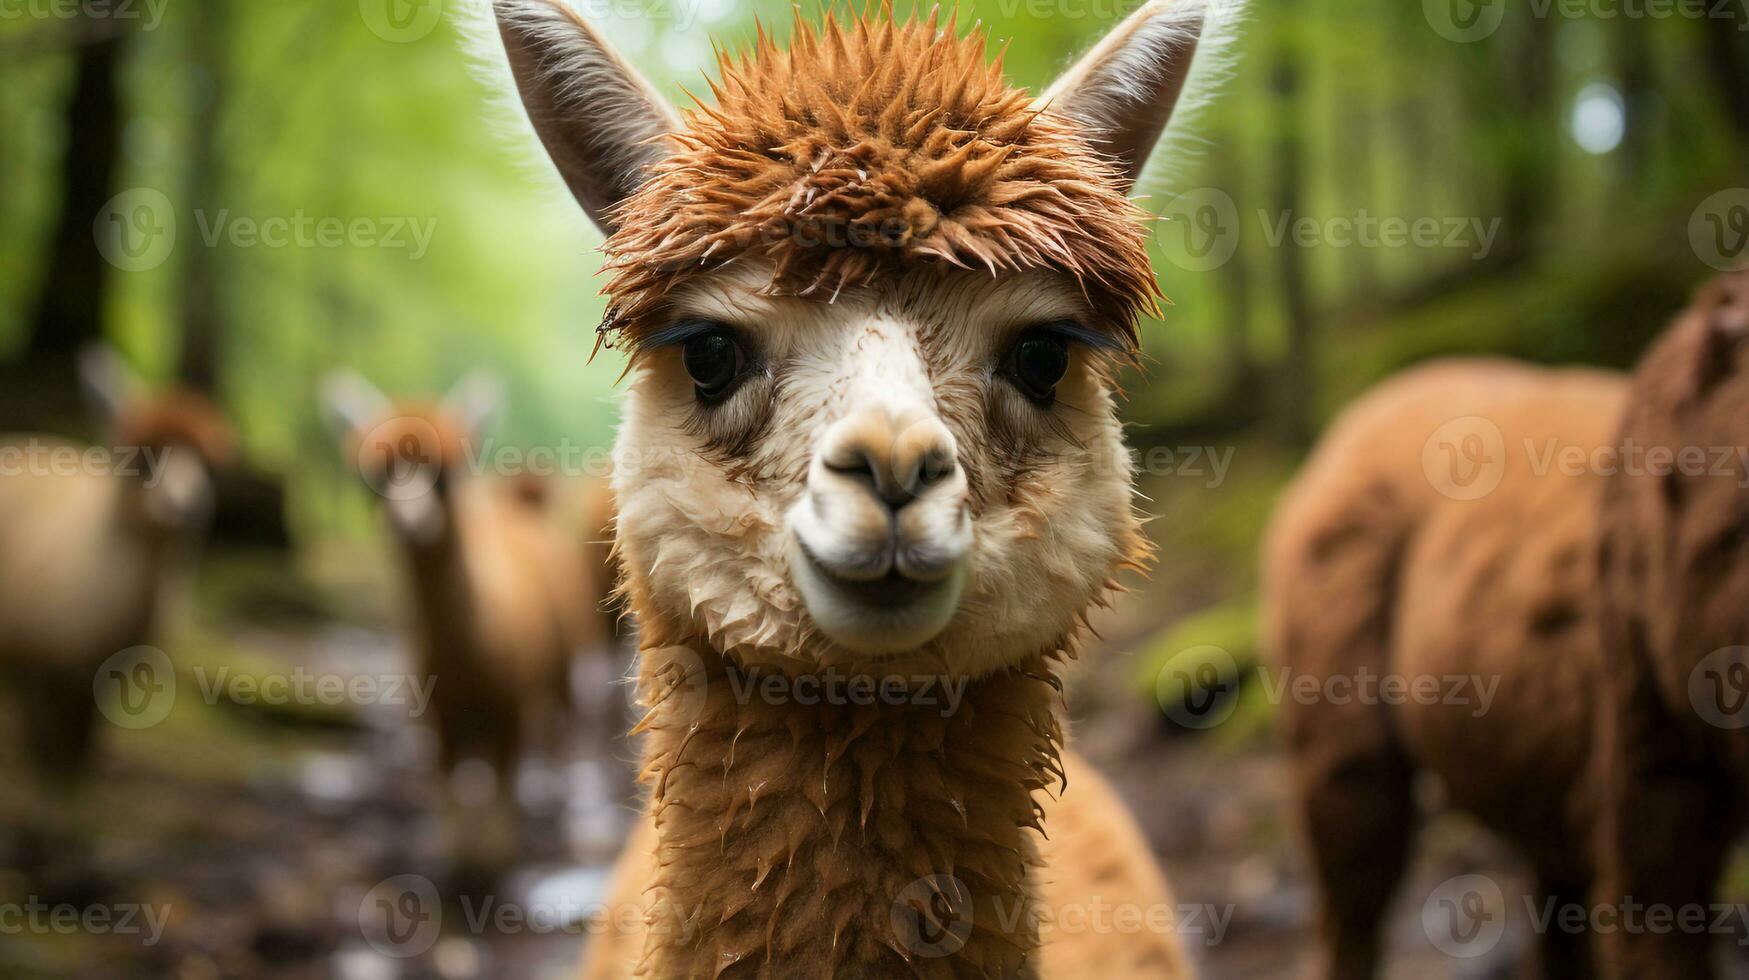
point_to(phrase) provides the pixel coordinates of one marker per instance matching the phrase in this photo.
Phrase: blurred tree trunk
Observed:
(203, 313)
(1526, 69)
(1726, 54)
(1357, 175)
(1633, 59)
(1296, 384)
(42, 388)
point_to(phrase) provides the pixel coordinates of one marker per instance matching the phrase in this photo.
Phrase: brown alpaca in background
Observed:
(1676, 610)
(1382, 560)
(86, 552)
(875, 299)
(502, 596)
(1442, 531)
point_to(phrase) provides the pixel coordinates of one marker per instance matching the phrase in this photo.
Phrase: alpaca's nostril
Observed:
(895, 463)
(936, 468)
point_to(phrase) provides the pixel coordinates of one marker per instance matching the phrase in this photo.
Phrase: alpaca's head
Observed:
(874, 298)
(411, 453)
(176, 438)
(1677, 516)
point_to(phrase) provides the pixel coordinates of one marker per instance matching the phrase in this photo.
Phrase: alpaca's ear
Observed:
(600, 121)
(351, 405)
(107, 382)
(476, 402)
(1124, 90)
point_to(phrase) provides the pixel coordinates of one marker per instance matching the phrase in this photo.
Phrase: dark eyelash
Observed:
(679, 333)
(1073, 331)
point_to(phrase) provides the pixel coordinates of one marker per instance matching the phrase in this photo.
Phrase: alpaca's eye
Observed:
(1037, 363)
(715, 361)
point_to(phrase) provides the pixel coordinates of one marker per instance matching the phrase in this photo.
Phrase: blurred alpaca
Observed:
(503, 595)
(1371, 569)
(1440, 531)
(86, 551)
(1675, 600)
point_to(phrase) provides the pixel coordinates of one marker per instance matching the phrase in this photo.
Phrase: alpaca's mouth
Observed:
(889, 614)
(893, 590)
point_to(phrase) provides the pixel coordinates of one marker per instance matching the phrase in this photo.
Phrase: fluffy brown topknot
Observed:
(872, 145)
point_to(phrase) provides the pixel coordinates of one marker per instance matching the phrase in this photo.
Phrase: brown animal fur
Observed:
(877, 215)
(865, 147)
(1592, 597)
(1371, 569)
(1676, 591)
(502, 597)
(85, 558)
(1088, 857)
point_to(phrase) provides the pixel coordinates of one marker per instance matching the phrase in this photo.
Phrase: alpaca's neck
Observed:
(437, 572)
(800, 828)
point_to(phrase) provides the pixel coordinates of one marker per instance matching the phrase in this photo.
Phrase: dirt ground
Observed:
(253, 842)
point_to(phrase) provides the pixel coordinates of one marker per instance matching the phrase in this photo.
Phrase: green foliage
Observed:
(306, 111)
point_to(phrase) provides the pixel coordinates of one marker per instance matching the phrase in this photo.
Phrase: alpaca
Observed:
(874, 300)
(502, 597)
(1675, 587)
(1437, 533)
(1382, 560)
(87, 550)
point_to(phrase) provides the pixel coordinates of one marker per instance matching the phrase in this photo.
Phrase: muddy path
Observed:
(243, 839)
